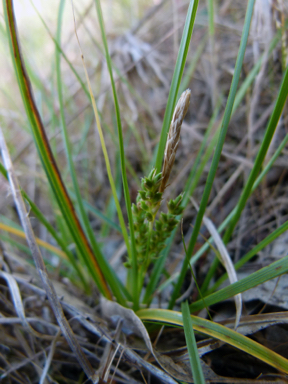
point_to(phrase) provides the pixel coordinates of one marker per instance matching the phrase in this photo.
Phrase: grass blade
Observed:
(177, 76)
(132, 249)
(20, 233)
(94, 211)
(194, 175)
(191, 345)
(273, 270)
(226, 261)
(272, 125)
(192, 66)
(220, 332)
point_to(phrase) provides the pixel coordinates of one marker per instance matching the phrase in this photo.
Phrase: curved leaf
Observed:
(220, 332)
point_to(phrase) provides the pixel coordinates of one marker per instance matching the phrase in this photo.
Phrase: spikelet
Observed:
(174, 137)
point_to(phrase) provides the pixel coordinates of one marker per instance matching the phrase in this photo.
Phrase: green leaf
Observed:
(191, 345)
(176, 80)
(131, 248)
(272, 125)
(273, 270)
(219, 332)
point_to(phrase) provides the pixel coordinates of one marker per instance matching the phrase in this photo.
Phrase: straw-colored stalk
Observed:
(174, 137)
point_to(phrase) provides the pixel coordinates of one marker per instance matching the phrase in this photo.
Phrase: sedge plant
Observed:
(151, 233)
(150, 227)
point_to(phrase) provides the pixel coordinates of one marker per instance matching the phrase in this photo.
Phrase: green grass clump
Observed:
(147, 227)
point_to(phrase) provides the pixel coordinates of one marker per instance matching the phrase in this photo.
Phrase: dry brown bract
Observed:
(174, 136)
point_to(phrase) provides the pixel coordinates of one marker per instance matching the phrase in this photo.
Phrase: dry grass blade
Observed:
(254, 323)
(12, 370)
(174, 137)
(227, 263)
(49, 358)
(109, 354)
(49, 288)
(18, 305)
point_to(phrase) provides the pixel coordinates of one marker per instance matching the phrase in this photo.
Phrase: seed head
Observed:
(174, 137)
